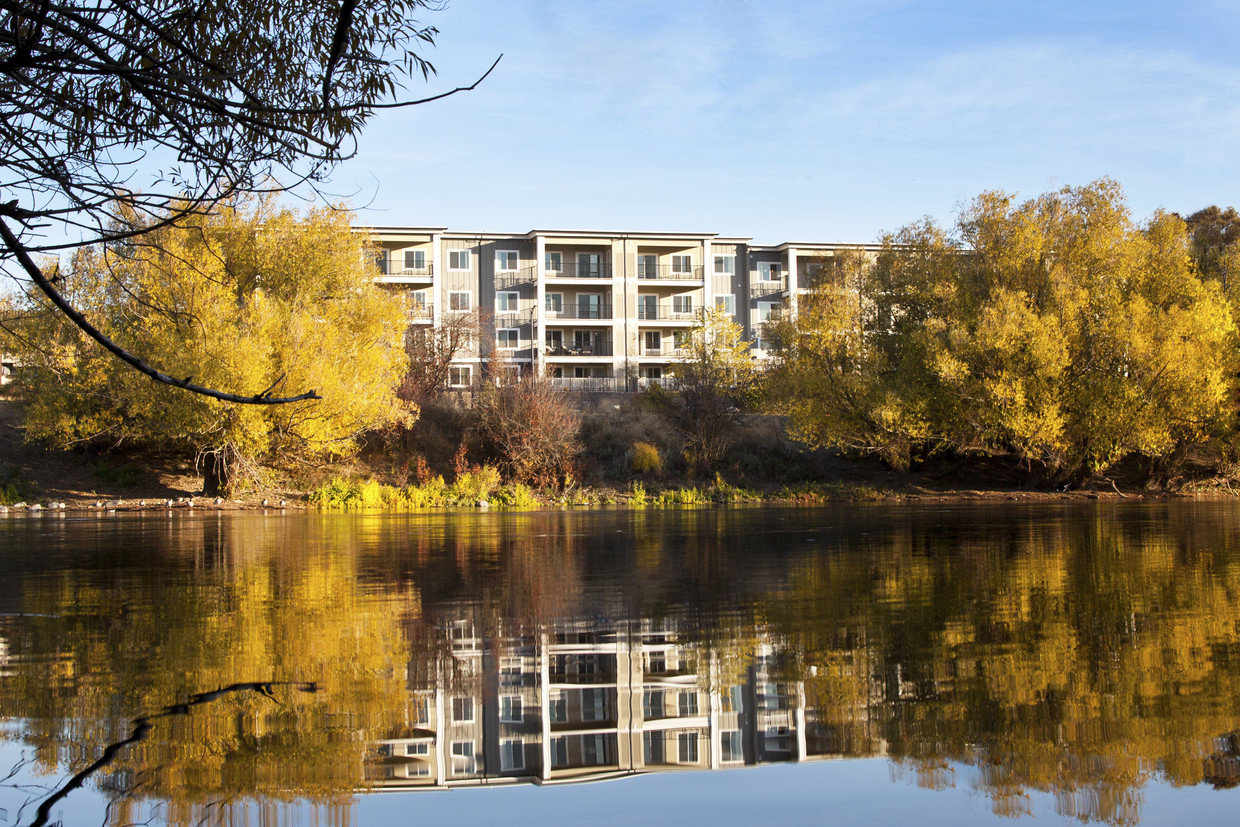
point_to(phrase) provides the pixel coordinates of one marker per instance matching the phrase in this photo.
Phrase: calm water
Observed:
(852, 664)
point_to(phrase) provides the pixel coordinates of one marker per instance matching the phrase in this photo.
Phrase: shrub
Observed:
(646, 459)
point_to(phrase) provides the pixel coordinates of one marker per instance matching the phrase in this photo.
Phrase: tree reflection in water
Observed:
(1085, 652)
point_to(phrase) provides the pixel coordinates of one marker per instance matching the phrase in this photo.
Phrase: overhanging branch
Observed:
(36, 275)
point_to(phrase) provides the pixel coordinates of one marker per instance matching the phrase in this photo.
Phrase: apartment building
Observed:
(593, 310)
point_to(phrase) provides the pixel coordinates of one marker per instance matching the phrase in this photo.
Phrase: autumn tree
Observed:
(1057, 331)
(713, 385)
(118, 117)
(253, 295)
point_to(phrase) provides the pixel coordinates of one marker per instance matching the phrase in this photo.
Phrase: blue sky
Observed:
(802, 121)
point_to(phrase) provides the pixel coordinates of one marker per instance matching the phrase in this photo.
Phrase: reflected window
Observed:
(511, 754)
(652, 748)
(510, 709)
(687, 743)
(463, 710)
(688, 703)
(652, 704)
(731, 744)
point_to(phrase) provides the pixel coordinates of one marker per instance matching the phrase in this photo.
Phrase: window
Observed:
(558, 708)
(554, 302)
(460, 300)
(415, 259)
(381, 261)
(656, 662)
(421, 711)
(510, 709)
(647, 267)
(725, 265)
(462, 710)
(688, 704)
(590, 306)
(653, 342)
(682, 304)
(418, 749)
(680, 339)
(728, 303)
(652, 704)
(511, 754)
(652, 748)
(589, 265)
(593, 749)
(688, 743)
(505, 261)
(460, 376)
(463, 757)
(580, 372)
(559, 752)
(768, 270)
(731, 743)
(458, 259)
(647, 307)
(555, 340)
(682, 265)
(553, 262)
(592, 706)
(507, 302)
(653, 372)
(733, 700)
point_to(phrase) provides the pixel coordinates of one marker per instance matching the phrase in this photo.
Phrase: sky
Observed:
(782, 120)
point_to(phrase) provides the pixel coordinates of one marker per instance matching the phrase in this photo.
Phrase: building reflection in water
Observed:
(592, 701)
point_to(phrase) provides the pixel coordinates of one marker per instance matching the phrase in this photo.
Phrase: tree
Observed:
(530, 426)
(122, 116)
(1057, 331)
(253, 294)
(430, 352)
(713, 385)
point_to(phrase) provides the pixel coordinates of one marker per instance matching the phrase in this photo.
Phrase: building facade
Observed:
(593, 310)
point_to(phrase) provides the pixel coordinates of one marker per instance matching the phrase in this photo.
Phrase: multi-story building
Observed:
(603, 310)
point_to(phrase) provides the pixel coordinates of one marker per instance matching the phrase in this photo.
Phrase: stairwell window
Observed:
(507, 302)
(506, 261)
(727, 304)
(460, 376)
(460, 300)
(508, 338)
(725, 265)
(458, 259)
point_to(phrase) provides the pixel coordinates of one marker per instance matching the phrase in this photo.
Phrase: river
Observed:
(874, 664)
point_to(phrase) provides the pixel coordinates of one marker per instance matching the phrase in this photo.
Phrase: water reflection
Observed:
(1083, 652)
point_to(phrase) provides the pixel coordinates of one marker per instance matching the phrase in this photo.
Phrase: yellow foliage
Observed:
(254, 296)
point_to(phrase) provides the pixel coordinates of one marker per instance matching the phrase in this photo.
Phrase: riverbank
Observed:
(90, 481)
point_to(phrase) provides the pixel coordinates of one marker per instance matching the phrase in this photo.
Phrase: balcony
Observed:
(572, 312)
(423, 312)
(514, 318)
(668, 272)
(391, 271)
(514, 278)
(766, 288)
(667, 313)
(581, 270)
(591, 349)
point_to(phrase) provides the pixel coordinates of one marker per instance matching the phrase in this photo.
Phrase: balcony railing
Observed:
(577, 311)
(668, 272)
(584, 349)
(395, 267)
(514, 318)
(581, 270)
(421, 312)
(667, 313)
(670, 352)
(766, 288)
(590, 384)
(512, 278)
